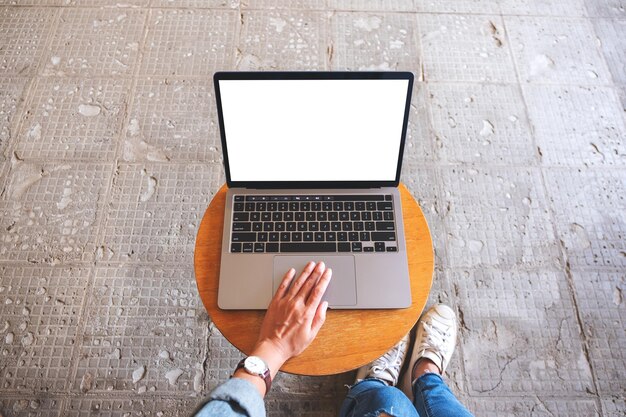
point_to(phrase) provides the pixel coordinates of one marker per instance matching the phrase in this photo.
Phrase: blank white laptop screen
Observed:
(313, 130)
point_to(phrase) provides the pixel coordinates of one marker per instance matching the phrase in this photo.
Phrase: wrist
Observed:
(272, 354)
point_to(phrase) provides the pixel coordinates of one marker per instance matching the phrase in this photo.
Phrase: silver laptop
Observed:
(312, 163)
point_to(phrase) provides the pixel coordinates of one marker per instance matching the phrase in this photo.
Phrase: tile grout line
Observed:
(564, 263)
(101, 225)
(27, 95)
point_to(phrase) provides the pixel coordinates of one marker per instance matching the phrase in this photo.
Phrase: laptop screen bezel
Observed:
(322, 75)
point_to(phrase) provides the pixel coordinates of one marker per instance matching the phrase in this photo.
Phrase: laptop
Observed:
(312, 163)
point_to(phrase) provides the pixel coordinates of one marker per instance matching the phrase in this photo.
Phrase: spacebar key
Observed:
(308, 247)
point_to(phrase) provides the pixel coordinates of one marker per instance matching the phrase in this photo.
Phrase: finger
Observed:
(320, 318)
(311, 281)
(295, 287)
(315, 296)
(284, 284)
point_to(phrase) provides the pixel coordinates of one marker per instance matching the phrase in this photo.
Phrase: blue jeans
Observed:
(433, 398)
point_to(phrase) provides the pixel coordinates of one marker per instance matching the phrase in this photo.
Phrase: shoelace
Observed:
(435, 338)
(386, 360)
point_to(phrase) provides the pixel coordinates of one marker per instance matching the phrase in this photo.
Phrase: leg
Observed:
(434, 344)
(433, 398)
(374, 398)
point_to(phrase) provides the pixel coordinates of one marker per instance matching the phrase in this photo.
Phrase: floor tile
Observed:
(50, 212)
(606, 8)
(155, 211)
(40, 308)
(95, 42)
(600, 297)
(189, 42)
(556, 51)
(519, 334)
(588, 206)
(108, 406)
(24, 32)
(457, 6)
(612, 36)
(282, 40)
(374, 41)
(577, 126)
(11, 96)
(71, 119)
(543, 8)
(143, 332)
(172, 120)
(464, 48)
(497, 217)
(481, 123)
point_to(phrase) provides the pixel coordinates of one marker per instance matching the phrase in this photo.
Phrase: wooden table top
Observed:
(349, 338)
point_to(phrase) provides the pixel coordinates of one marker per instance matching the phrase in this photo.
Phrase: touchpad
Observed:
(342, 289)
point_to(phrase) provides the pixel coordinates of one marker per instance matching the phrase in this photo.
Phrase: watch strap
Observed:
(266, 376)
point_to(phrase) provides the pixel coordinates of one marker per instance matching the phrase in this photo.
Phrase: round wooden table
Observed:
(349, 338)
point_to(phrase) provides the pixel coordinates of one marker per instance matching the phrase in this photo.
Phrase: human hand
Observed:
(296, 313)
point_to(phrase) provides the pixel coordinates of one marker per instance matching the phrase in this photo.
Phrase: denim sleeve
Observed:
(234, 398)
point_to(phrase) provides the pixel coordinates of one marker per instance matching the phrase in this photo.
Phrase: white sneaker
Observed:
(435, 340)
(387, 367)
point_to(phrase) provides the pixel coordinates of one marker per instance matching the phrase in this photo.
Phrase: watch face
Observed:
(254, 365)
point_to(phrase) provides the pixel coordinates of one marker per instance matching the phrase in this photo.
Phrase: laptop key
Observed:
(385, 226)
(364, 236)
(285, 237)
(249, 206)
(235, 247)
(308, 247)
(370, 226)
(331, 236)
(274, 237)
(259, 247)
(319, 236)
(384, 205)
(342, 237)
(271, 247)
(324, 226)
(261, 237)
(343, 247)
(353, 236)
(346, 226)
(335, 226)
(238, 207)
(379, 246)
(241, 217)
(277, 216)
(388, 215)
(356, 247)
(266, 217)
(296, 237)
(359, 206)
(238, 198)
(302, 226)
(392, 249)
(384, 236)
(291, 226)
(247, 247)
(257, 226)
(314, 226)
(255, 216)
(308, 236)
(279, 226)
(359, 226)
(242, 227)
(368, 249)
(244, 237)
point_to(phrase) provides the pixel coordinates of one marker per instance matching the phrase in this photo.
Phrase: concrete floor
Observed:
(109, 155)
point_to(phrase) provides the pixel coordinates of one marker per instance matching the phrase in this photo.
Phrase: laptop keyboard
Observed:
(313, 223)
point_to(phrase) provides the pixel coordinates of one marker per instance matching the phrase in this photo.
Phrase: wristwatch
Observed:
(257, 367)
